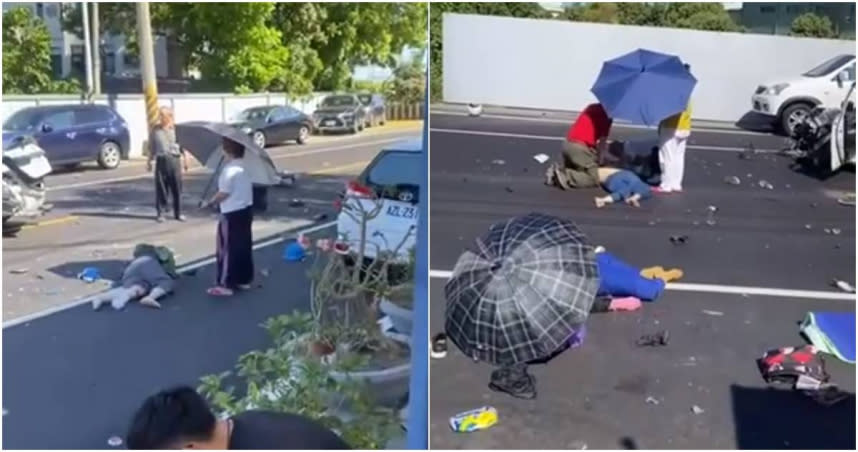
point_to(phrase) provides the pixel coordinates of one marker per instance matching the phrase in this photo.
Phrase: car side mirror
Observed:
(47, 128)
(269, 120)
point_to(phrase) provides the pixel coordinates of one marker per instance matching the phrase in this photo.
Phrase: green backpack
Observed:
(164, 255)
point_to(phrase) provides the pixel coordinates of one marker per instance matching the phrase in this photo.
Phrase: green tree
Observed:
(605, 13)
(699, 16)
(436, 38)
(809, 25)
(26, 53)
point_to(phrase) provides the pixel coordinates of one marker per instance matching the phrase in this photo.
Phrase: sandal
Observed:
(150, 302)
(220, 292)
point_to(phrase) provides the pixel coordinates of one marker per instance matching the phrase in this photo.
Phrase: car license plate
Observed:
(408, 213)
(330, 122)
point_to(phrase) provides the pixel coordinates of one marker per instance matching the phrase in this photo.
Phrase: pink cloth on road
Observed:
(625, 304)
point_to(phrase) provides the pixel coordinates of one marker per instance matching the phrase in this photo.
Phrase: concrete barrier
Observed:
(187, 107)
(552, 64)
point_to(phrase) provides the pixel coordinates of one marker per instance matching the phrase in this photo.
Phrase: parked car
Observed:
(274, 124)
(339, 113)
(73, 134)
(375, 110)
(391, 180)
(788, 102)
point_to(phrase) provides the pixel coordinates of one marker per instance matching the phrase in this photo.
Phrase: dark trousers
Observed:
(580, 164)
(168, 182)
(235, 248)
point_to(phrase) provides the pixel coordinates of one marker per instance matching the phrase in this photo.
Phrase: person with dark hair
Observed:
(234, 198)
(179, 418)
(170, 160)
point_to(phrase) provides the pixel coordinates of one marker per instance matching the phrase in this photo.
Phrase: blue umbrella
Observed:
(644, 87)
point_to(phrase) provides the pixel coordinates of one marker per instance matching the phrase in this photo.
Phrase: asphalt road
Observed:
(99, 216)
(482, 171)
(79, 374)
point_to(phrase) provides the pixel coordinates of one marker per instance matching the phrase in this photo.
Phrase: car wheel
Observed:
(259, 138)
(355, 128)
(382, 120)
(109, 155)
(303, 134)
(794, 115)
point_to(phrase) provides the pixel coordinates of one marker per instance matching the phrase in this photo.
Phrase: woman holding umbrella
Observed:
(234, 199)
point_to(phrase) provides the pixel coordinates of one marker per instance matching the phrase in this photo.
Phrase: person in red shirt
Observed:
(580, 150)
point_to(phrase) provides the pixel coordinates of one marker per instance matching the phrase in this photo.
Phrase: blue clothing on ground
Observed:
(620, 279)
(624, 184)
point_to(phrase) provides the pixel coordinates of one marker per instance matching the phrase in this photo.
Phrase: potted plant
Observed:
(283, 378)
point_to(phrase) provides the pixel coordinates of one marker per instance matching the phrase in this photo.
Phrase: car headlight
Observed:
(777, 89)
(246, 129)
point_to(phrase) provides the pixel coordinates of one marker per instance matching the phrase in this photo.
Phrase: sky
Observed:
(379, 73)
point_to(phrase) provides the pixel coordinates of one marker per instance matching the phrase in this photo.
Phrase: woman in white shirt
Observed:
(234, 237)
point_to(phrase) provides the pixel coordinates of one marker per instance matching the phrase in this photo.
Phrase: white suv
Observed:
(790, 101)
(387, 194)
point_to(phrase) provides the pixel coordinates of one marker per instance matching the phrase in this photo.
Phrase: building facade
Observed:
(67, 49)
(776, 18)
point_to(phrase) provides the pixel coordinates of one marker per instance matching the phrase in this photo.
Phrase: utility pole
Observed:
(87, 49)
(96, 51)
(147, 63)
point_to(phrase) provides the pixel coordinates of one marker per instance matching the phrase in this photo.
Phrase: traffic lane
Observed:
(596, 395)
(42, 268)
(285, 153)
(108, 219)
(80, 374)
(766, 230)
(618, 131)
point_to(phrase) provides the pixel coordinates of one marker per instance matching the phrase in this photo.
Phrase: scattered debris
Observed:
(745, 155)
(473, 420)
(296, 203)
(659, 339)
(713, 313)
(808, 226)
(508, 189)
(264, 272)
(835, 231)
(114, 441)
(843, 285)
(733, 180)
(678, 239)
(847, 200)
(541, 158)
(652, 400)
(577, 445)
(710, 217)
(498, 162)
(696, 409)
(19, 271)
(320, 217)
(765, 184)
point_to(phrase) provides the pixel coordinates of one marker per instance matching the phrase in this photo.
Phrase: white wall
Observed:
(552, 64)
(187, 107)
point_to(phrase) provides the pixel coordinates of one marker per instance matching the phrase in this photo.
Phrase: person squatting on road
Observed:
(581, 150)
(150, 275)
(623, 185)
(234, 232)
(170, 160)
(180, 418)
(673, 133)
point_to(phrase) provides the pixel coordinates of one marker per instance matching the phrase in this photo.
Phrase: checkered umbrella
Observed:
(522, 294)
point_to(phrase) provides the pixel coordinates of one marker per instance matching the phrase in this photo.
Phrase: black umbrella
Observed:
(204, 141)
(525, 290)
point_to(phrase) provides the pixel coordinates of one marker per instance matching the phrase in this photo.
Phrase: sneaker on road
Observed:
(439, 346)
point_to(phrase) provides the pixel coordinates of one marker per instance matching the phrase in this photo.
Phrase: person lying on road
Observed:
(150, 276)
(622, 185)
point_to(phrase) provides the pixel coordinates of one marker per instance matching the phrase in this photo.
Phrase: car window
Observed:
(253, 114)
(849, 73)
(291, 112)
(338, 101)
(23, 120)
(394, 172)
(60, 119)
(92, 116)
(829, 66)
(365, 99)
(278, 114)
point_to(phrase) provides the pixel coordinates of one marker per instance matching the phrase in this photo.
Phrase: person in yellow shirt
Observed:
(673, 133)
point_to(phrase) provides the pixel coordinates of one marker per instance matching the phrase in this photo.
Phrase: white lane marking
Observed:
(552, 138)
(182, 269)
(623, 125)
(274, 157)
(726, 289)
